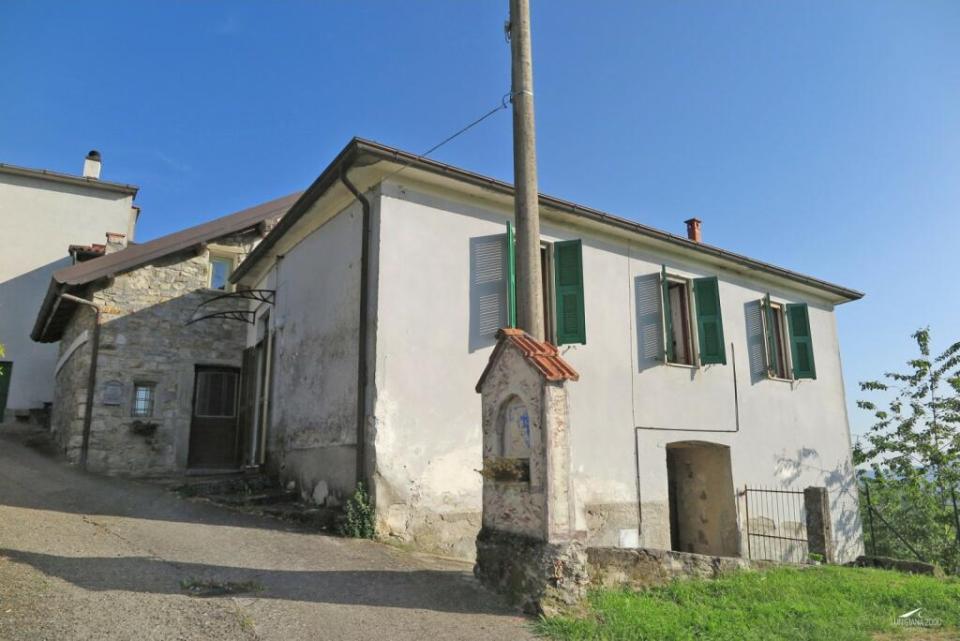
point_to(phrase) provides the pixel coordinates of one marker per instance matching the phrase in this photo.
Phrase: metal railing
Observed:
(776, 524)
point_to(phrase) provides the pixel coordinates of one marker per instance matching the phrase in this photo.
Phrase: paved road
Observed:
(86, 557)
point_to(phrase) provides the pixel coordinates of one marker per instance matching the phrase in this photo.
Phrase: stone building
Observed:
(165, 392)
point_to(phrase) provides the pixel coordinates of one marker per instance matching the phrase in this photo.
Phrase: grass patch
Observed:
(211, 588)
(826, 603)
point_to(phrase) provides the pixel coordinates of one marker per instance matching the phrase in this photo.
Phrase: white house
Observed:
(702, 372)
(43, 213)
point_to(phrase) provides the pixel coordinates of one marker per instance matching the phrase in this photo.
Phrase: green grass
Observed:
(785, 604)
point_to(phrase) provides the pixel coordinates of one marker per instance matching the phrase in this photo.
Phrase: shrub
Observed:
(357, 519)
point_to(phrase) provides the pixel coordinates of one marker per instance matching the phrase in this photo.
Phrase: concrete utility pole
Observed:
(526, 207)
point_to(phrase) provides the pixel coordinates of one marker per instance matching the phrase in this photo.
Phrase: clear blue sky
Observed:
(821, 136)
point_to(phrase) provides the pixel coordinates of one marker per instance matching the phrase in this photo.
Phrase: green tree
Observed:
(913, 455)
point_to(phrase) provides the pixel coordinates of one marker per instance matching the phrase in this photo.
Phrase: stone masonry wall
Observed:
(144, 338)
(69, 392)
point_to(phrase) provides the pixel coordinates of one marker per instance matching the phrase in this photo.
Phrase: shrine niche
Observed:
(527, 546)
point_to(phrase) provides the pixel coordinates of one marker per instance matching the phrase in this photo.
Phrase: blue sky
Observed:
(821, 136)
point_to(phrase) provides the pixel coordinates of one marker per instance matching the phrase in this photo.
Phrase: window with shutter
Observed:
(706, 293)
(568, 278)
(775, 334)
(801, 344)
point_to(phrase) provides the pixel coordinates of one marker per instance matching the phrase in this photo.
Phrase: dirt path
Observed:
(85, 557)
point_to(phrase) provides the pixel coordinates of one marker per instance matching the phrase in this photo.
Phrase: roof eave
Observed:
(359, 146)
(93, 183)
(317, 188)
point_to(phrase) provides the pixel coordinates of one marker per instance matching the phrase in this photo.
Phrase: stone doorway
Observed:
(703, 509)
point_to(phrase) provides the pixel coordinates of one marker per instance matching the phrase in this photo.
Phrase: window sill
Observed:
(681, 365)
(781, 380)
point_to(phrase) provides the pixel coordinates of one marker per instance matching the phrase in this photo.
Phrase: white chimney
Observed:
(91, 165)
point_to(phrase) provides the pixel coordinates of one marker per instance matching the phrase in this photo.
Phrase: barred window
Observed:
(143, 397)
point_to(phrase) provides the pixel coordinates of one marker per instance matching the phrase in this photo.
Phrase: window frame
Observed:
(220, 257)
(779, 309)
(150, 412)
(690, 307)
(547, 277)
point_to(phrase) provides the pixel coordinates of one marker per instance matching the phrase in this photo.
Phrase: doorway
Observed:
(214, 433)
(703, 509)
(6, 372)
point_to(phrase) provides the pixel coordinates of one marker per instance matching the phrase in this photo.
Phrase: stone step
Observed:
(320, 518)
(263, 498)
(248, 484)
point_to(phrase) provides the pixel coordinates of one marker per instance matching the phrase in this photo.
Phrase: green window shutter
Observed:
(706, 293)
(568, 272)
(770, 353)
(801, 345)
(667, 316)
(511, 277)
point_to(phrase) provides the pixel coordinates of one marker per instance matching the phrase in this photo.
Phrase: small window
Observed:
(777, 363)
(789, 347)
(220, 270)
(692, 322)
(143, 399)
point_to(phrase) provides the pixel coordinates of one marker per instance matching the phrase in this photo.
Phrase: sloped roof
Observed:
(542, 356)
(359, 152)
(53, 317)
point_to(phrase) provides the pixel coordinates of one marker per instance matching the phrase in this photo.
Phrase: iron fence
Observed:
(776, 523)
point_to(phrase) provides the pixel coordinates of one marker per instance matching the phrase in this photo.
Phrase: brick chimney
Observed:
(115, 242)
(91, 165)
(693, 230)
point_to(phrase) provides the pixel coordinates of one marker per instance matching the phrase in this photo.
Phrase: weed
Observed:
(357, 519)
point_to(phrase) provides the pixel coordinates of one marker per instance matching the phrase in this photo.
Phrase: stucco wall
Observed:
(144, 338)
(312, 436)
(41, 219)
(437, 296)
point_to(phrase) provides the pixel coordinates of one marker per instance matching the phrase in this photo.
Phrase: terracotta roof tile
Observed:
(542, 355)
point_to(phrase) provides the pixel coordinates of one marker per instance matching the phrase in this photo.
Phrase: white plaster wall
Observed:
(430, 352)
(39, 219)
(315, 316)
(429, 357)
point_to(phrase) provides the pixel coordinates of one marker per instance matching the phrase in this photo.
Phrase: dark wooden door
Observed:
(214, 433)
(6, 371)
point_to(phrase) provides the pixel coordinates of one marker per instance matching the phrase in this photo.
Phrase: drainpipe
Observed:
(362, 346)
(91, 377)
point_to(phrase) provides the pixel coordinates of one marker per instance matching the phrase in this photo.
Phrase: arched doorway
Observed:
(703, 508)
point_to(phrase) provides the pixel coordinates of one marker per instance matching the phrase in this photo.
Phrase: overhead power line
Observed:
(504, 104)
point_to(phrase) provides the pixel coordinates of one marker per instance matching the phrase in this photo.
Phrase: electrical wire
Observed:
(504, 104)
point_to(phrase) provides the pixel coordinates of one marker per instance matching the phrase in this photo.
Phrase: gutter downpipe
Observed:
(362, 338)
(91, 377)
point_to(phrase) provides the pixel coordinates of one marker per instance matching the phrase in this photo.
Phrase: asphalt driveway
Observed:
(89, 557)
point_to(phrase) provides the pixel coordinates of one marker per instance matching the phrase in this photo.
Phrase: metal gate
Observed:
(776, 524)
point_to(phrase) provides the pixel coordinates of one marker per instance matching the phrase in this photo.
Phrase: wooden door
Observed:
(6, 371)
(214, 433)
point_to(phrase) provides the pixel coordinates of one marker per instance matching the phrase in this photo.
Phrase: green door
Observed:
(6, 371)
